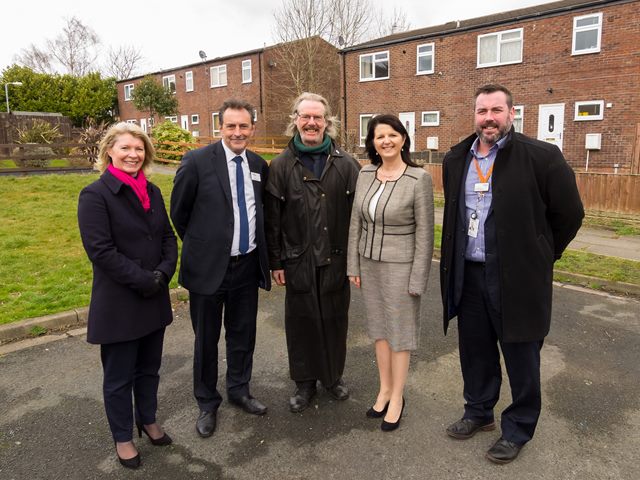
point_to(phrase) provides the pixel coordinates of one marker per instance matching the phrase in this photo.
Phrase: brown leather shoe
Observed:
(466, 428)
(503, 451)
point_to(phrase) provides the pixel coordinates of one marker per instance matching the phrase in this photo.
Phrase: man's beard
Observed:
(493, 138)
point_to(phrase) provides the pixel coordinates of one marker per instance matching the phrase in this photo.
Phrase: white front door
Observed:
(408, 119)
(143, 124)
(551, 123)
(184, 122)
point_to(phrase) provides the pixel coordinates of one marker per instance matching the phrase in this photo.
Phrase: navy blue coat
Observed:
(125, 245)
(202, 213)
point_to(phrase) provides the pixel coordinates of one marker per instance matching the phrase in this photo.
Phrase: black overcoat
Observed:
(125, 245)
(535, 212)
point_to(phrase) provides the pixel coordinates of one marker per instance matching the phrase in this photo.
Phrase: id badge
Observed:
(481, 187)
(473, 227)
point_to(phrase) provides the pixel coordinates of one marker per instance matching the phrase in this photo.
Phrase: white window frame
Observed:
(214, 115)
(219, 71)
(519, 115)
(373, 62)
(128, 92)
(361, 137)
(188, 81)
(585, 118)
(246, 71)
(132, 120)
(172, 118)
(195, 119)
(586, 28)
(419, 55)
(168, 81)
(425, 123)
(195, 133)
(499, 45)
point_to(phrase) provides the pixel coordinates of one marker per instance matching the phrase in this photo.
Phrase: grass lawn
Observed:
(44, 269)
(43, 266)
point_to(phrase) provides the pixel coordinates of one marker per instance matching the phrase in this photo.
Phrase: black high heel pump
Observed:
(158, 442)
(131, 463)
(390, 426)
(373, 413)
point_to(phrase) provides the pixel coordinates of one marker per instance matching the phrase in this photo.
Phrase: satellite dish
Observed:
(203, 55)
(340, 40)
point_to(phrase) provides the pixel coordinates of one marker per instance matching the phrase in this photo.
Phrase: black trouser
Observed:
(480, 362)
(131, 366)
(238, 297)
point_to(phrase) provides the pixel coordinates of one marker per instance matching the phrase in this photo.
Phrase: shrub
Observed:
(90, 138)
(164, 134)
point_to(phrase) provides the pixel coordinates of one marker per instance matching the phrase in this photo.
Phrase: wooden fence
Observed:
(600, 192)
(36, 153)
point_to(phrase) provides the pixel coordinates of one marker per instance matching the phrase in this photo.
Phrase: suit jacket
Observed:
(202, 214)
(403, 227)
(125, 245)
(535, 212)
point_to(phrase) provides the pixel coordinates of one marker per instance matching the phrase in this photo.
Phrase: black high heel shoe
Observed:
(131, 463)
(389, 426)
(158, 442)
(373, 413)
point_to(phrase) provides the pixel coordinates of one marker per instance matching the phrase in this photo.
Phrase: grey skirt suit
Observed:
(391, 252)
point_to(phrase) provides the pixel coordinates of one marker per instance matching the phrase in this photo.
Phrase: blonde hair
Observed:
(110, 138)
(331, 120)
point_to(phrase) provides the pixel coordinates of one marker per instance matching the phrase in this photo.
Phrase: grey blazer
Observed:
(402, 230)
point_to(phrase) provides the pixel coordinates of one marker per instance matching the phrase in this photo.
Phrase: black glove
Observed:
(159, 283)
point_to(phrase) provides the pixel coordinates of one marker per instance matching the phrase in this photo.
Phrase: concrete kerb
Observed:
(59, 322)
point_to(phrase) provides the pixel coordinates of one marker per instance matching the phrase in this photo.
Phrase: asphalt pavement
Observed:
(53, 426)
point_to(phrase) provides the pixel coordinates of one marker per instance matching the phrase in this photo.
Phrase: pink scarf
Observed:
(137, 183)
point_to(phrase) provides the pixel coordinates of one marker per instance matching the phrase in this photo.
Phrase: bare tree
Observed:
(123, 62)
(74, 51)
(341, 22)
(396, 23)
(75, 48)
(36, 59)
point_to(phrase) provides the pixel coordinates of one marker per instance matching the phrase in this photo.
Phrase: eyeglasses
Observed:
(307, 118)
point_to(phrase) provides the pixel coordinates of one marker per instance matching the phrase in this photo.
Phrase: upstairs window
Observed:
(424, 59)
(374, 66)
(169, 82)
(587, 31)
(188, 81)
(246, 71)
(218, 76)
(500, 48)
(128, 92)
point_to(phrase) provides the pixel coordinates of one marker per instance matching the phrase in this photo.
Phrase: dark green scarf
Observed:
(302, 148)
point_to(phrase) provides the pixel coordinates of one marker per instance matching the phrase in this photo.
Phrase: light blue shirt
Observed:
(249, 198)
(479, 202)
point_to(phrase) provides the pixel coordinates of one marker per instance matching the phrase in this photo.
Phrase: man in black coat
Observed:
(216, 208)
(511, 208)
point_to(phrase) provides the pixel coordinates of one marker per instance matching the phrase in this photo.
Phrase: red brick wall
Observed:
(613, 75)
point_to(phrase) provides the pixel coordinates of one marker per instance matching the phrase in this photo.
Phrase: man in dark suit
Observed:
(511, 208)
(216, 208)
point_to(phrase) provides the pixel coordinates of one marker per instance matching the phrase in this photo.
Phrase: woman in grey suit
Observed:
(390, 250)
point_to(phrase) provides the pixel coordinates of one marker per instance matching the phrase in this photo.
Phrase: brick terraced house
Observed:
(264, 77)
(573, 67)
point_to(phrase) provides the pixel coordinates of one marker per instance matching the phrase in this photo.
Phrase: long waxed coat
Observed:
(125, 245)
(536, 211)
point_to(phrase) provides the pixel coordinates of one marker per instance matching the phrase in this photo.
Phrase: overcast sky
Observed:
(170, 33)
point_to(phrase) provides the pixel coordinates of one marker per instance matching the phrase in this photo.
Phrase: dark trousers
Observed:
(131, 366)
(238, 297)
(478, 325)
